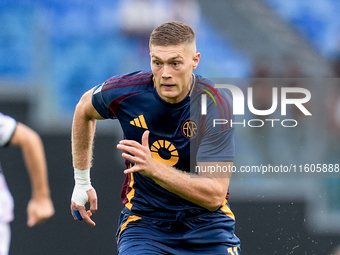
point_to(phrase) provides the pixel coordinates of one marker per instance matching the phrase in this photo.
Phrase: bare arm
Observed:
(40, 206)
(83, 131)
(208, 192)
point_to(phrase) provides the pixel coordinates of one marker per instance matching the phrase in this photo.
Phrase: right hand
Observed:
(79, 198)
(39, 210)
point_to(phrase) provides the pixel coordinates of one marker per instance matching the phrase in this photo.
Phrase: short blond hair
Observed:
(172, 33)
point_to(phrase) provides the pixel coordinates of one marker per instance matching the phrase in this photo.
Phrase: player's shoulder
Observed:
(5, 118)
(7, 128)
(120, 87)
(208, 86)
(205, 85)
(136, 80)
(203, 81)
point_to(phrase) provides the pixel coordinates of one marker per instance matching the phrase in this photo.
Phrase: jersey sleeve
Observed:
(100, 104)
(217, 144)
(108, 95)
(7, 128)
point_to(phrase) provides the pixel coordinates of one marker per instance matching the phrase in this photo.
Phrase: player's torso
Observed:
(172, 135)
(176, 131)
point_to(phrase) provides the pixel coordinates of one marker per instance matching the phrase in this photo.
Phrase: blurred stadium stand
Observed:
(259, 33)
(60, 50)
(316, 21)
(52, 51)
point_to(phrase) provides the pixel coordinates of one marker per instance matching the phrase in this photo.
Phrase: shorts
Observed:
(5, 238)
(179, 234)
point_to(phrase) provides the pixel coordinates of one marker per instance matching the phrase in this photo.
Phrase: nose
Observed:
(166, 72)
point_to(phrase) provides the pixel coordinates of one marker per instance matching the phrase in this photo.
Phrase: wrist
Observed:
(82, 178)
(159, 171)
(41, 194)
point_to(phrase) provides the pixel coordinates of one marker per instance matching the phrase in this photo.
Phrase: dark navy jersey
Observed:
(179, 136)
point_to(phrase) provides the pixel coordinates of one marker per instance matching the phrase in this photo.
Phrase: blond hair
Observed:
(171, 34)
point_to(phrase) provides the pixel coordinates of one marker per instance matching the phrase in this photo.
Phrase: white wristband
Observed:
(82, 184)
(82, 178)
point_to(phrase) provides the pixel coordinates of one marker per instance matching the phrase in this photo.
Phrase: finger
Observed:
(32, 220)
(73, 207)
(35, 219)
(131, 143)
(93, 200)
(32, 213)
(85, 215)
(40, 221)
(89, 213)
(130, 170)
(74, 210)
(130, 158)
(145, 138)
(129, 149)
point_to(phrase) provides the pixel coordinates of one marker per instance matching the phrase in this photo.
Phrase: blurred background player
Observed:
(40, 207)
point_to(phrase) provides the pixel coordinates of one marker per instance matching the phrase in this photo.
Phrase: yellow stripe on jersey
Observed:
(131, 194)
(130, 219)
(137, 122)
(142, 121)
(227, 210)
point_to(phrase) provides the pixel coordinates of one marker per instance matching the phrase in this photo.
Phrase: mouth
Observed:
(168, 86)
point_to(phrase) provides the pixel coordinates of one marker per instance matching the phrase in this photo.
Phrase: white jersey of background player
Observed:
(40, 207)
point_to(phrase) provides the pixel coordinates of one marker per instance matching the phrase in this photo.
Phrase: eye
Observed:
(157, 63)
(175, 64)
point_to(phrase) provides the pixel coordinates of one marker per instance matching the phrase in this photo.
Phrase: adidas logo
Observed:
(139, 122)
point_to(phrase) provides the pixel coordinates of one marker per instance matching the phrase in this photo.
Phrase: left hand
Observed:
(82, 196)
(39, 210)
(139, 154)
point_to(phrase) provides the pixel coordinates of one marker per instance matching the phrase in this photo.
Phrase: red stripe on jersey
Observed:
(113, 107)
(124, 85)
(129, 77)
(142, 78)
(211, 88)
(226, 111)
(126, 185)
(229, 109)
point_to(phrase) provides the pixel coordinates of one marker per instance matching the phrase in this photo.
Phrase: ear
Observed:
(196, 60)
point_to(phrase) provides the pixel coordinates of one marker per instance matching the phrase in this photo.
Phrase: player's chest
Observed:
(172, 131)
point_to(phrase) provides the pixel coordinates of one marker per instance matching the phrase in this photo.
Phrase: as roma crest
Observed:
(189, 129)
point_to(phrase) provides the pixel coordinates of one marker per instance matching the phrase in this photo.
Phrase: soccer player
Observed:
(173, 205)
(40, 206)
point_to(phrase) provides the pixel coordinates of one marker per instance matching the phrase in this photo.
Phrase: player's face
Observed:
(172, 68)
